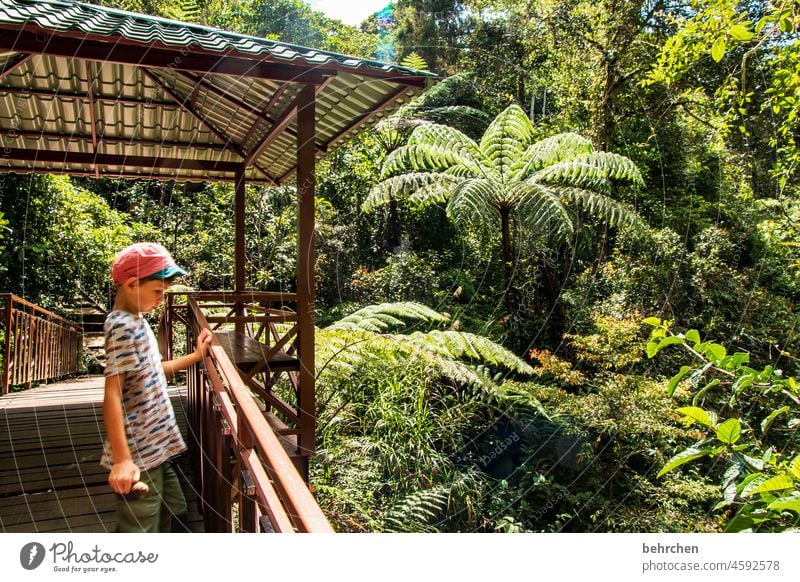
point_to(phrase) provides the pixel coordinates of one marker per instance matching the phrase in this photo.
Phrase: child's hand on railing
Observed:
(203, 341)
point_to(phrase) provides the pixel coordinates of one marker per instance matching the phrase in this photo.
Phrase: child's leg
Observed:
(173, 501)
(142, 515)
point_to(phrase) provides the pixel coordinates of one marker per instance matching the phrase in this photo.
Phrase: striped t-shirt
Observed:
(153, 434)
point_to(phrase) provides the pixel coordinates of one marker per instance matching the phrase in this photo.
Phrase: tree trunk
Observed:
(506, 237)
(394, 226)
(552, 293)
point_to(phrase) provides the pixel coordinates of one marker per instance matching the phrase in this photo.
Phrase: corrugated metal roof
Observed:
(84, 81)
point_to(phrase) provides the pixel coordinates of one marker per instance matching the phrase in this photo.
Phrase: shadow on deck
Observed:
(51, 439)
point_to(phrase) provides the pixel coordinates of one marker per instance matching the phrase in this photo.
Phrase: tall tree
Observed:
(507, 182)
(434, 29)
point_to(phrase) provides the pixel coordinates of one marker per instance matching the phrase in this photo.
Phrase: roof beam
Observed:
(239, 103)
(267, 108)
(128, 174)
(11, 65)
(276, 130)
(90, 96)
(144, 162)
(125, 140)
(84, 97)
(196, 114)
(281, 124)
(390, 99)
(352, 129)
(139, 55)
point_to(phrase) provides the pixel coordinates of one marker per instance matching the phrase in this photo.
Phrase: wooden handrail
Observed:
(239, 296)
(39, 345)
(255, 446)
(40, 310)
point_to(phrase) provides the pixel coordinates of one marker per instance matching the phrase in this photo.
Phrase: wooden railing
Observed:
(239, 458)
(38, 345)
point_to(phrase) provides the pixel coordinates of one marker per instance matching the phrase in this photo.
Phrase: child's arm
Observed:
(172, 366)
(124, 472)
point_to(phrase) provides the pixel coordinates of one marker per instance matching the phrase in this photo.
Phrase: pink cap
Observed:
(142, 260)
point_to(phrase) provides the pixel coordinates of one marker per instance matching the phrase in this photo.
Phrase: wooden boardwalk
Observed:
(50, 445)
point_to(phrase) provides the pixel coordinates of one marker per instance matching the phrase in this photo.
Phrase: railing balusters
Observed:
(238, 455)
(39, 345)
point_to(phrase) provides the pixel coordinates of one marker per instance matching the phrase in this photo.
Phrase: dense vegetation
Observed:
(556, 293)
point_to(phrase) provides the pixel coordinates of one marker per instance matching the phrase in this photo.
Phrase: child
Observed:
(142, 434)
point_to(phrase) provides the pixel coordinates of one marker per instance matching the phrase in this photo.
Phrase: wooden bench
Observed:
(247, 352)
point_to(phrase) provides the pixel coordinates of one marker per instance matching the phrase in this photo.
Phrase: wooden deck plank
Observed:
(50, 446)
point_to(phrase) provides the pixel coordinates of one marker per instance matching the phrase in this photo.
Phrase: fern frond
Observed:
(386, 316)
(612, 211)
(418, 158)
(591, 168)
(414, 61)
(473, 205)
(550, 150)
(539, 209)
(506, 140)
(454, 115)
(462, 345)
(435, 186)
(418, 512)
(460, 146)
(437, 94)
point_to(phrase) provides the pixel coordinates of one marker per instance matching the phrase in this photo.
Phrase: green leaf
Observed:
(654, 321)
(794, 468)
(740, 33)
(669, 341)
(778, 483)
(773, 415)
(715, 352)
(729, 431)
(684, 457)
(742, 522)
(718, 50)
(673, 383)
(693, 336)
(791, 503)
(652, 349)
(757, 464)
(695, 414)
(739, 358)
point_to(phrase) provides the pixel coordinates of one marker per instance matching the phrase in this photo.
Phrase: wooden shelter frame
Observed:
(69, 81)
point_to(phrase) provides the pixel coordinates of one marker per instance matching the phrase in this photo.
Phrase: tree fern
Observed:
(434, 186)
(389, 316)
(506, 171)
(549, 151)
(467, 346)
(418, 512)
(184, 11)
(414, 61)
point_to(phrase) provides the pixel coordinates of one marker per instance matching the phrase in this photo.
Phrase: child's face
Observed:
(150, 294)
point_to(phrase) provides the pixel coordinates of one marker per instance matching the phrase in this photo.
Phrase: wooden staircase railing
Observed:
(240, 449)
(38, 345)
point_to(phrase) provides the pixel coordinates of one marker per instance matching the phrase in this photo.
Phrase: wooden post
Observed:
(7, 353)
(305, 271)
(239, 277)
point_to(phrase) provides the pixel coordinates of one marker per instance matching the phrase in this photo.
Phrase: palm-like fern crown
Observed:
(537, 181)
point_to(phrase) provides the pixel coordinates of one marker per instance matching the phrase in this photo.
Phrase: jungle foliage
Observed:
(504, 265)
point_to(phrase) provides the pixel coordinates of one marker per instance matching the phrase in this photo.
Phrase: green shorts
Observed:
(154, 512)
